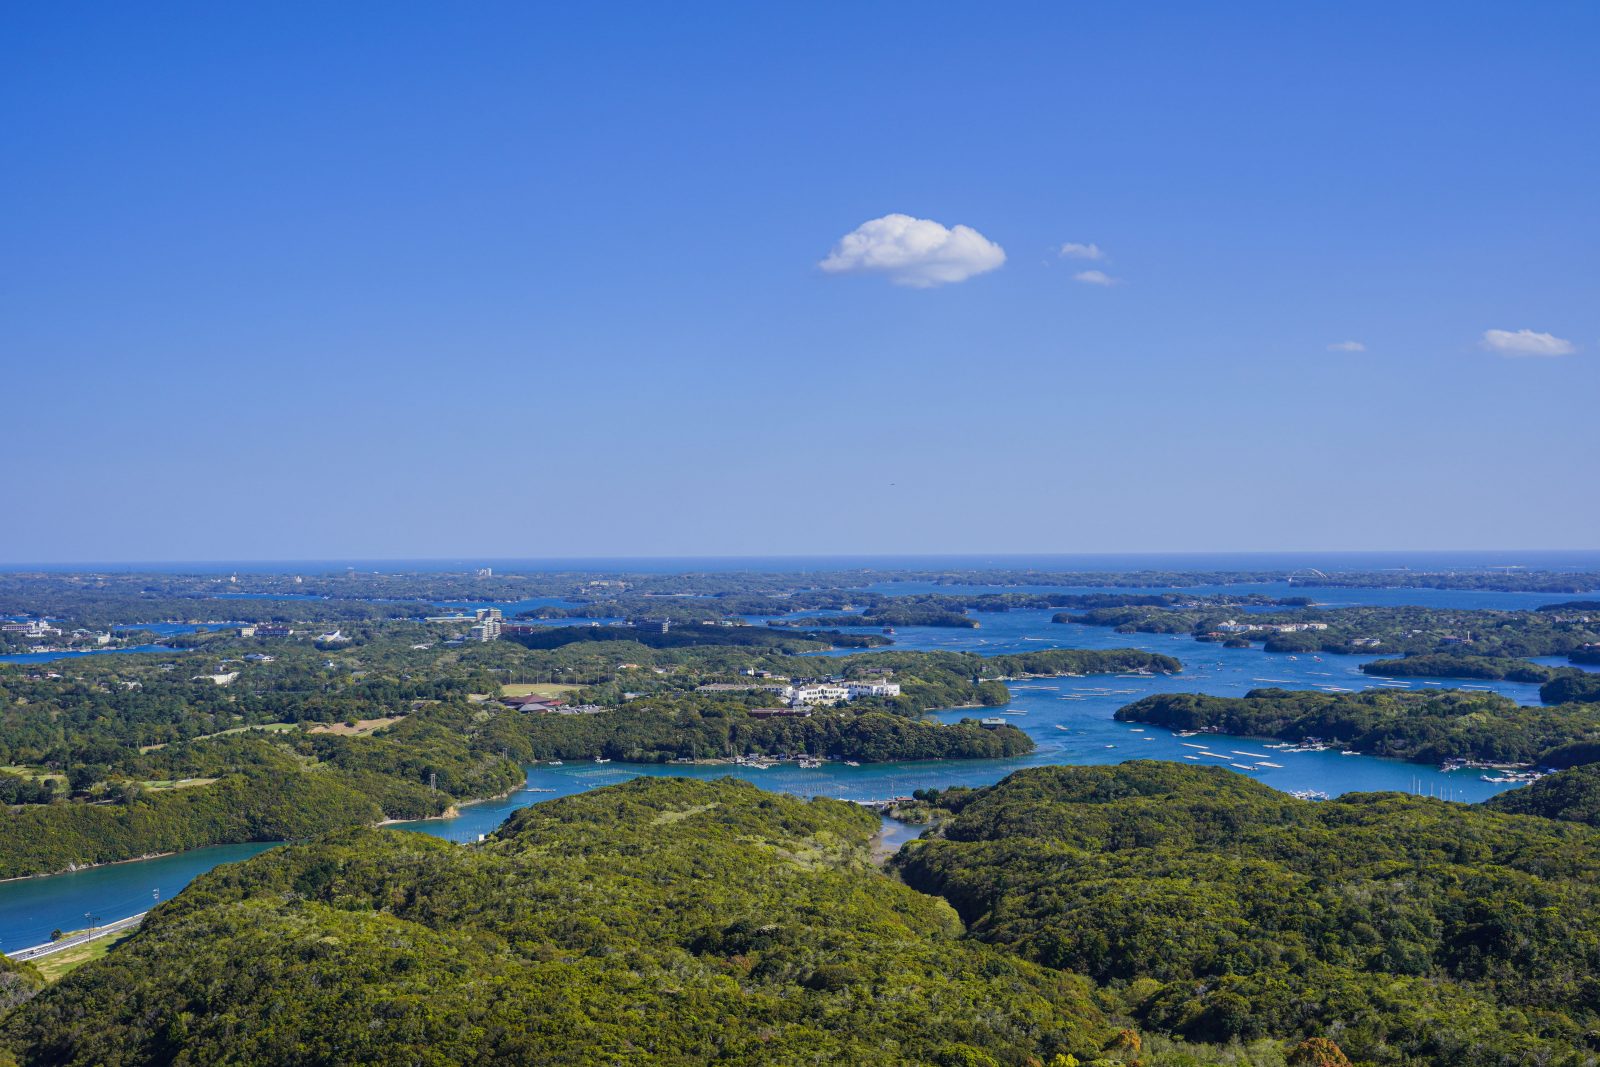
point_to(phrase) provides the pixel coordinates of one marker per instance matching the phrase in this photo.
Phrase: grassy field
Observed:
(535, 689)
(268, 726)
(36, 773)
(58, 965)
(362, 726)
(158, 784)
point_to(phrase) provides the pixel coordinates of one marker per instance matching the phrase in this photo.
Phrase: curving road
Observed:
(107, 930)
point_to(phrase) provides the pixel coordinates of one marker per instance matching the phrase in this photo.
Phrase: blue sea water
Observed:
(46, 657)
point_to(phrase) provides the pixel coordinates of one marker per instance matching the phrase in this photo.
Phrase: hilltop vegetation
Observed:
(1145, 913)
(1571, 688)
(1408, 930)
(718, 923)
(1427, 727)
(1572, 795)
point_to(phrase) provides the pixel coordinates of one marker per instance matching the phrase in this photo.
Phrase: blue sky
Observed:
(400, 280)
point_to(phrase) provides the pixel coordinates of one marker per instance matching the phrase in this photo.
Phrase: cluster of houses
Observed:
(265, 629)
(548, 706)
(1233, 626)
(809, 692)
(40, 629)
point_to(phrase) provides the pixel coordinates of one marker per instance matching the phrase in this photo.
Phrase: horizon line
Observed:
(908, 557)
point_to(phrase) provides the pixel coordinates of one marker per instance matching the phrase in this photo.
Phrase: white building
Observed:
(817, 693)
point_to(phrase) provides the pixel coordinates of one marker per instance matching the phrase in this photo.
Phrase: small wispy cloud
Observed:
(1095, 277)
(1074, 250)
(1526, 343)
(1347, 346)
(919, 253)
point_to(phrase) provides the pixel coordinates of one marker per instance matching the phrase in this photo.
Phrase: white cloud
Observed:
(1526, 343)
(917, 252)
(1095, 277)
(1347, 346)
(1074, 250)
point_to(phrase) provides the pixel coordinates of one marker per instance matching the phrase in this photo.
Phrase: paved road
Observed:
(120, 926)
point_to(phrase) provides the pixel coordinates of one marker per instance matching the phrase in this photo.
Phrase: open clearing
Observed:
(535, 689)
(362, 726)
(58, 965)
(158, 784)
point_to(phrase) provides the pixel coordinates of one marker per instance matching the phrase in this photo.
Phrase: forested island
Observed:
(1452, 665)
(1425, 727)
(1413, 631)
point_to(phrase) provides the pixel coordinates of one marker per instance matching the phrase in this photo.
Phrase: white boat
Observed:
(851, 763)
(597, 759)
(555, 763)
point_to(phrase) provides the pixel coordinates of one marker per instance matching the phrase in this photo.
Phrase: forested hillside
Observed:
(666, 921)
(1408, 930)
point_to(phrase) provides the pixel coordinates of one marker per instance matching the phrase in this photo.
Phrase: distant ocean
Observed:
(1574, 560)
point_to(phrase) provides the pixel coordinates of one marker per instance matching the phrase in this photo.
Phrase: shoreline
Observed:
(451, 812)
(113, 863)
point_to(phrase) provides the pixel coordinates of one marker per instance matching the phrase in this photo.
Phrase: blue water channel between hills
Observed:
(1069, 719)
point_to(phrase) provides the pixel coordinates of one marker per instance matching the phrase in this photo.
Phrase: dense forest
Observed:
(660, 731)
(1572, 795)
(1427, 727)
(1408, 930)
(663, 921)
(1450, 665)
(1142, 913)
(1412, 631)
(1567, 688)
(718, 923)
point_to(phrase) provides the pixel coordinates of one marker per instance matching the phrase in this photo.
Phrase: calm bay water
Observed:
(1069, 719)
(46, 657)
